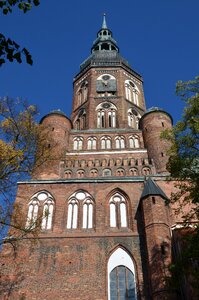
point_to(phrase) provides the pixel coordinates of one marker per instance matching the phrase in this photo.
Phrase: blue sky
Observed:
(160, 39)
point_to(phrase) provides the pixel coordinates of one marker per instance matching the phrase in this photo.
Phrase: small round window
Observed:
(106, 77)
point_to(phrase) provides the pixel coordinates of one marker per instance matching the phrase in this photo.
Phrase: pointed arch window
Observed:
(80, 122)
(82, 93)
(106, 115)
(119, 142)
(132, 92)
(118, 211)
(105, 142)
(47, 214)
(134, 141)
(32, 213)
(78, 143)
(91, 143)
(88, 213)
(72, 214)
(121, 276)
(42, 200)
(80, 208)
(133, 118)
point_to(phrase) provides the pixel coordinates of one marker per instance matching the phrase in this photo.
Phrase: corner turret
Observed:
(152, 123)
(55, 127)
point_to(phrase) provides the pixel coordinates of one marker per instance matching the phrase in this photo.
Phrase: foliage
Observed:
(23, 148)
(183, 164)
(187, 261)
(9, 49)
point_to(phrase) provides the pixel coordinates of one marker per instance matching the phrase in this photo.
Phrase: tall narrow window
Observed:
(72, 214)
(40, 201)
(132, 92)
(121, 276)
(82, 92)
(106, 115)
(88, 213)
(133, 118)
(47, 214)
(118, 212)
(80, 206)
(32, 213)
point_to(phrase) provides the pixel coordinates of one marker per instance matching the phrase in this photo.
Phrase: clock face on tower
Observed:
(106, 83)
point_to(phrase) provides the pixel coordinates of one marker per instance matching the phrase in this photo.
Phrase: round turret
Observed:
(54, 138)
(152, 123)
(58, 126)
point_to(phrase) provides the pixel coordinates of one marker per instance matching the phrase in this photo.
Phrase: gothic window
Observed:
(80, 204)
(32, 213)
(119, 142)
(133, 172)
(120, 172)
(133, 118)
(88, 213)
(91, 143)
(106, 172)
(105, 142)
(118, 211)
(47, 214)
(80, 122)
(106, 115)
(146, 171)
(133, 142)
(121, 276)
(132, 92)
(44, 201)
(72, 214)
(82, 93)
(93, 173)
(78, 143)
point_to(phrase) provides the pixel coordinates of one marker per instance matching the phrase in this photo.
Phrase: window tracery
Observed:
(80, 122)
(134, 141)
(133, 118)
(106, 115)
(41, 200)
(82, 93)
(118, 211)
(80, 204)
(105, 142)
(91, 143)
(119, 142)
(132, 92)
(78, 143)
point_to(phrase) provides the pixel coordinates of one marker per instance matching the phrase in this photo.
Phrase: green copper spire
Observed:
(104, 26)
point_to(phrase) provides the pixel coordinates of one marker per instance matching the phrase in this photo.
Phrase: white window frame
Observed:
(120, 258)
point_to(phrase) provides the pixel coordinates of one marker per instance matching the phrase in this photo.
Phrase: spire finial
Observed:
(104, 26)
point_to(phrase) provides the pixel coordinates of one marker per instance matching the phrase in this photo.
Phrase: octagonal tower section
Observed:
(153, 123)
(55, 130)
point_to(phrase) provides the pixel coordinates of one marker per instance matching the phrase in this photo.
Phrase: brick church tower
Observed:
(107, 234)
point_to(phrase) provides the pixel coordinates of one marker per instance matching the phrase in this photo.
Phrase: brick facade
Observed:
(102, 159)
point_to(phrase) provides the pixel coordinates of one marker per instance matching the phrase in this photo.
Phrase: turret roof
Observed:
(151, 189)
